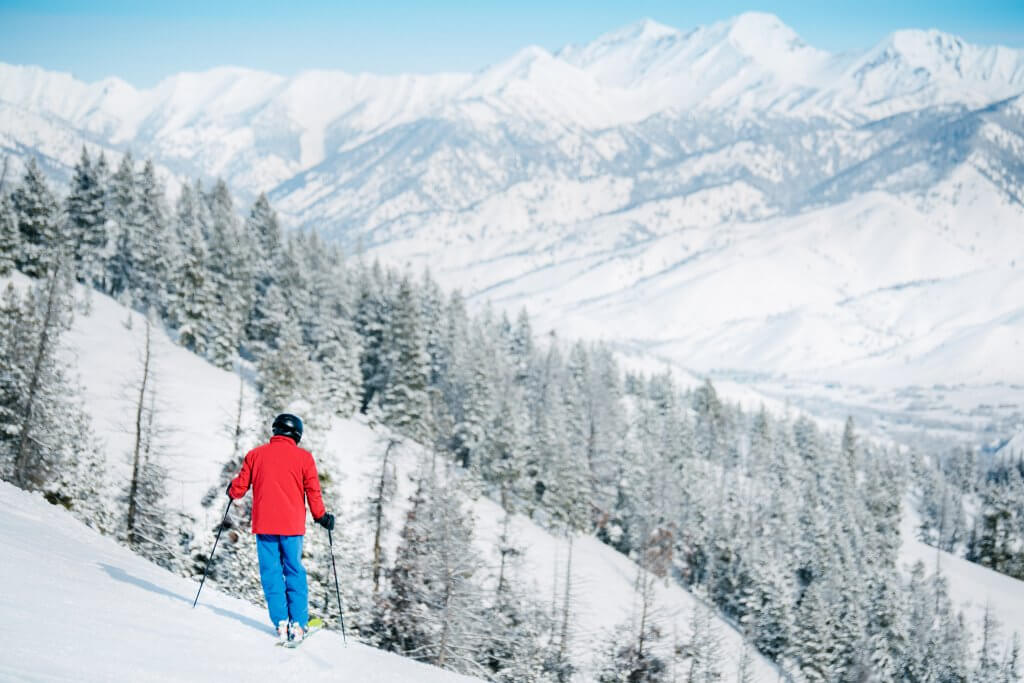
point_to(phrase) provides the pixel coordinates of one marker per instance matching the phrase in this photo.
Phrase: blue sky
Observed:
(143, 41)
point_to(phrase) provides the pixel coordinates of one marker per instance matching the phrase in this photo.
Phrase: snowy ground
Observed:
(971, 586)
(78, 607)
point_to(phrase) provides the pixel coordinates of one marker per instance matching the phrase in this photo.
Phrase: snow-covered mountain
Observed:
(728, 199)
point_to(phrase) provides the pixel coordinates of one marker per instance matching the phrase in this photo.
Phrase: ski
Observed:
(315, 624)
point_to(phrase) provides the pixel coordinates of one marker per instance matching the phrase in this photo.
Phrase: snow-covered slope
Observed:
(728, 199)
(973, 588)
(602, 580)
(196, 403)
(78, 607)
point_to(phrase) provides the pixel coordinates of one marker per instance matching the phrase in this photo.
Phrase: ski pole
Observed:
(210, 558)
(337, 591)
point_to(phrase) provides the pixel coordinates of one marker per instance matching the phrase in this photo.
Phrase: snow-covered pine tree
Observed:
(10, 238)
(886, 628)
(263, 226)
(337, 354)
(405, 403)
(270, 316)
(432, 313)
(518, 638)
(158, 257)
(372, 317)
(521, 347)
(938, 649)
(263, 231)
(227, 268)
(433, 610)
(477, 375)
(86, 229)
(702, 653)
(43, 317)
(123, 265)
(509, 426)
(634, 653)
(579, 413)
(46, 443)
(300, 259)
(286, 373)
(336, 346)
(191, 300)
(710, 429)
(36, 215)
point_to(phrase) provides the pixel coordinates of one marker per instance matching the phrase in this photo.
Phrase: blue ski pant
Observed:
(283, 578)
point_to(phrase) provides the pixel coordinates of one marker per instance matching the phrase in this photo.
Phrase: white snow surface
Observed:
(79, 607)
(971, 586)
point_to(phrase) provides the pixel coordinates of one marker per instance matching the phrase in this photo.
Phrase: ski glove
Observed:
(327, 521)
(228, 491)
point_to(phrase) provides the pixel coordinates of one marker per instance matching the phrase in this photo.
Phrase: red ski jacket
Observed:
(283, 477)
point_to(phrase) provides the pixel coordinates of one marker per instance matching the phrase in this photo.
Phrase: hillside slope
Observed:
(973, 588)
(79, 607)
(197, 402)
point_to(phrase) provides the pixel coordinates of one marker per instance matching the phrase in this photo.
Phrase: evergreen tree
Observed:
(702, 653)
(123, 266)
(46, 443)
(191, 300)
(264, 317)
(371, 320)
(37, 399)
(158, 256)
(86, 231)
(710, 426)
(337, 355)
(286, 373)
(405, 403)
(36, 217)
(432, 609)
(227, 268)
(10, 238)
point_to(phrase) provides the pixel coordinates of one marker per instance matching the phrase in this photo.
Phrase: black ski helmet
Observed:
(288, 425)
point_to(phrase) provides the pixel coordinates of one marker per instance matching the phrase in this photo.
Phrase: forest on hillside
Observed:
(790, 531)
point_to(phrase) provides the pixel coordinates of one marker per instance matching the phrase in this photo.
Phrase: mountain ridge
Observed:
(577, 182)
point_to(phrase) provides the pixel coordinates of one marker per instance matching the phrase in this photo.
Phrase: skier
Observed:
(283, 477)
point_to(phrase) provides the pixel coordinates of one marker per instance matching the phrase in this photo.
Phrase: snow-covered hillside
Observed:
(833, 229)
(196, 407)
(973, 587)
(79, 607)
(120, 615)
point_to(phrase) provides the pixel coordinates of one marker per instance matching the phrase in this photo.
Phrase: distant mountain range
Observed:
(729, 198)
